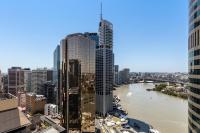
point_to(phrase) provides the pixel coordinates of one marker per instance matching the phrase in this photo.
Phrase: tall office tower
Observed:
(63, 83)
(50, 75)
(78, 82)
(113, 64)
(27, 79)
(48, 90)
(74, 110)
(116, 74)
(38, 78)
(104, 69)
(194, 67)
(124, 76)
(56, 75)
(15, 80)
(93, 36)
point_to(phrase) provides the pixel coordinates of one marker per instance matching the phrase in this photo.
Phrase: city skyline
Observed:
(100, 66)
(36, 29)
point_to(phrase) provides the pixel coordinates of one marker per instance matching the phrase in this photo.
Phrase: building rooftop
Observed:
(40, 97)
(37, 97)
(7, 101)
(11, 118)
(15, 68)
(55, 122)
(51, 105)
(30, 94)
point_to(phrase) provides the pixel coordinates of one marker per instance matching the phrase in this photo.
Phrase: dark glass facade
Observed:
(63, 83)
(78, 82)
(48, 90)
(74, 115)
(93, 36)
(56, 76)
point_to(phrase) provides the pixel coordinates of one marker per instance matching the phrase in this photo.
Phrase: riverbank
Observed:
(166, 113)
(172, 90)
(130, 124)
(117, 121)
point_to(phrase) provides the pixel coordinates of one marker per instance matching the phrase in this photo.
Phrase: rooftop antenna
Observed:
(101, 15)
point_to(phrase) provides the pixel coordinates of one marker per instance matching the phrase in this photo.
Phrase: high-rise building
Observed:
(94, 36)
(15, 80)
(63, 83)
(104, 69)
(50, 75)
(74, 94)
(78, 82)
(27, 79)
(39, 77)
(194, 67)
(116, 75)
(56, 75)
(48, 90)
(124, 76)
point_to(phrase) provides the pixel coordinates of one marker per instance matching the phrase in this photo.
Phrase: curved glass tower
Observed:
(194, 67)
(77, 81)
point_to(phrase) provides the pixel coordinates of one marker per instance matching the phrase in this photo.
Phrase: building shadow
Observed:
(138, 125)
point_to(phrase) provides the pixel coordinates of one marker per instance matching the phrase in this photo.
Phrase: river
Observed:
(165, 113)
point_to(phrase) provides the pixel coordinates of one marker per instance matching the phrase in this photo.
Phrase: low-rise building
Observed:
(11, 118)
(35, 103)
(21, 96)
(51, 109)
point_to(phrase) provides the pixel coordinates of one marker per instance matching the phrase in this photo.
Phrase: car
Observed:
(125, 126)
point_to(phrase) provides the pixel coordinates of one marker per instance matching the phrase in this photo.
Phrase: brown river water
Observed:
(165, 113)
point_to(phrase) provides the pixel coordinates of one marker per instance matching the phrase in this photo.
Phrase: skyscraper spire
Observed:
(101, 15)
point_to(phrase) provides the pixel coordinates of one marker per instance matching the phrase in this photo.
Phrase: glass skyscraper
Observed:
(93, 36)
(56, 75)
(78, 82)
(194, 67)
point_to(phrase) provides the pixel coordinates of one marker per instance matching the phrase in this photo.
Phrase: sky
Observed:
(149, 35)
